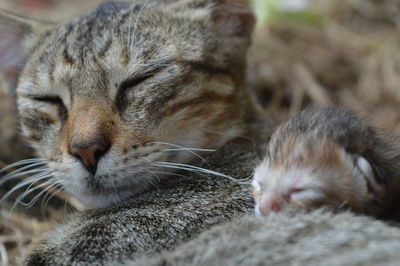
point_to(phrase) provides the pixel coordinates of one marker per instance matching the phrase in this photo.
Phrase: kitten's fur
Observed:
(330, 156)
(100, 95)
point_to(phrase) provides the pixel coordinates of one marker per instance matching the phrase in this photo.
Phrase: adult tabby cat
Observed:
(114, 99)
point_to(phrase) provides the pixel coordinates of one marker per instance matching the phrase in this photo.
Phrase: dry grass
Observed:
(20, 232)
(348, 56)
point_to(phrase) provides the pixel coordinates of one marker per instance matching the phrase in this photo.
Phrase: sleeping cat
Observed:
(112, 101)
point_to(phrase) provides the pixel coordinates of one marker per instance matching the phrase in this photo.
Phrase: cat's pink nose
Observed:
(270, 201)
(90, 154)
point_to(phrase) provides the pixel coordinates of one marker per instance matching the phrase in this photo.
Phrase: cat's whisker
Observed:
(51, 192)
(189, 170)
(136, 23)
(179, 167)
(130, 24)
(181, 147)
(25, 182)
(139, 170)
(19, 199)
(30, 162)
(150, 171)
(45, 198)
(169, 173)
(22, 174)
(26, 161)
(154, 184)
(154, 170)
(236, 136)
(48, 188)
(32, 184)
(12, 170)
(47, 185)
(28, 180)
(201, 170)
(190, 150)
(117, 15)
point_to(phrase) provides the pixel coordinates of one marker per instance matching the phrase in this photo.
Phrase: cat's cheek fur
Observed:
(43, 136)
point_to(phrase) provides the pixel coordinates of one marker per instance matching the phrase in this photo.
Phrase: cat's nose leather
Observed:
(89, 154)
(270, 201)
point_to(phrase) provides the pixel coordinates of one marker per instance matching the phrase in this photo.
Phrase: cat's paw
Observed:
(314, 172)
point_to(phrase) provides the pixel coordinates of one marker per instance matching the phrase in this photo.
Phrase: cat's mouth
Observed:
(107, 190)
(117, 180)
(109, 184)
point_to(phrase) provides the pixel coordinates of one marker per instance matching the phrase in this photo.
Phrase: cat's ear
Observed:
(234, 18)
(17, 36)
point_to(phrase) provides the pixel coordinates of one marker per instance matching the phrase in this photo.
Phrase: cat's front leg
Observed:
(329, 157)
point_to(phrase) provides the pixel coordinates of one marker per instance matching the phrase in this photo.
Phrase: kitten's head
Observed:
(101, 95)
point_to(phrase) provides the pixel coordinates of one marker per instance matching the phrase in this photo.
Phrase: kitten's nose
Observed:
(270, 201)
(90, 154)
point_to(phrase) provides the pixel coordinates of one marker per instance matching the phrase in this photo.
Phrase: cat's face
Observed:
(111, 97)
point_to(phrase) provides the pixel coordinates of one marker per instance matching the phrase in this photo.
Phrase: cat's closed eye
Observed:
(133, 82)
(126, 85)
(53, 100)
(48, 99)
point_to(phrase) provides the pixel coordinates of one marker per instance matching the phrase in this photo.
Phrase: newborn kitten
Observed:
(114, 99)
(329, 156)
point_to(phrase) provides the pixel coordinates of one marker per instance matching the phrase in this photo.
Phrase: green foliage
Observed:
(269, 12)
(265, 10)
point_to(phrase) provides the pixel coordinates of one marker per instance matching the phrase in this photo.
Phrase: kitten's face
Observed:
(308, 171)
(101, 96)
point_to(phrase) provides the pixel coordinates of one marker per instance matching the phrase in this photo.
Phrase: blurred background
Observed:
(304, 52)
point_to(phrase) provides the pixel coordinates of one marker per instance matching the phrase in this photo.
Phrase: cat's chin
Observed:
(97, 201)
(106, 199)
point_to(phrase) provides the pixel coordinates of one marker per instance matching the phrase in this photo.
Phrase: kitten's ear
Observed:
(234, 18)
(17, 36)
